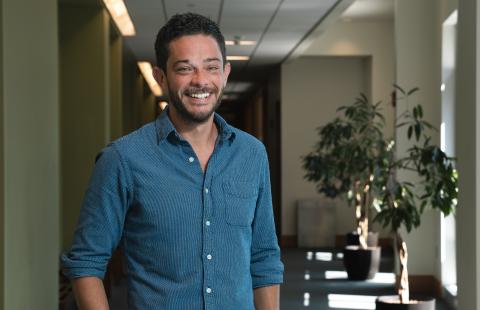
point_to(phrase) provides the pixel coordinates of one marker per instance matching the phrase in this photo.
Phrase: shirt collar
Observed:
(165, 127)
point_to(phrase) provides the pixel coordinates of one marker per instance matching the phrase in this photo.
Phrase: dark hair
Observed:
(182, 25)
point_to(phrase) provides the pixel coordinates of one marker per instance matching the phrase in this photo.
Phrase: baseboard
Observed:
(289, 241)
(424, 285)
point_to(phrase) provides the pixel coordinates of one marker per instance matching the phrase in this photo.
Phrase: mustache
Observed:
(191, 90)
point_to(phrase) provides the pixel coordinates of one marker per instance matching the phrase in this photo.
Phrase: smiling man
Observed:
(186, 197)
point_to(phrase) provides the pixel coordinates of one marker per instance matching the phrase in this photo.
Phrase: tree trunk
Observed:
(362, 201)
(403, 288)
(362, 222)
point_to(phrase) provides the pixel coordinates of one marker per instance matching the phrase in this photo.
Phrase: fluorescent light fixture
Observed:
(240, 42)
(307, 275)
(340, 255)
(309, 255)
(163, 105)
(238, 58)
(351, 301)
(146, 69)
(230, 97)
(442, 87)
(118, 12)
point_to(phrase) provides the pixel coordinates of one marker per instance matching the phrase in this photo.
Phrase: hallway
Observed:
(315, 280)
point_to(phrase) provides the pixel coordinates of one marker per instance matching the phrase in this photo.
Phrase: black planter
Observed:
(361, 264)
(393, 303)
(353, 239)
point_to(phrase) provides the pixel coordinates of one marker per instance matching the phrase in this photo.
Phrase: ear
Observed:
(226, 72)
(160, 77)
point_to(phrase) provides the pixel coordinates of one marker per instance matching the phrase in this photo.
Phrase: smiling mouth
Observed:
(202, 95)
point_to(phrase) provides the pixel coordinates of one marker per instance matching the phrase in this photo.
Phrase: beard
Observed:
(192, 117)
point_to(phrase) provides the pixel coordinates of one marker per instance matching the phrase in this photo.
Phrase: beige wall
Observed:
(85, 102)
(116, 78)
(372, 40)
(29, 227)
(467, 113)
(364, 38)
(418, 61)
(312, 88)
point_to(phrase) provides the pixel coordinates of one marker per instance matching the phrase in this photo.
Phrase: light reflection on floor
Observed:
(345, 301)
(321, 256)
(380, 277)
(306, 299)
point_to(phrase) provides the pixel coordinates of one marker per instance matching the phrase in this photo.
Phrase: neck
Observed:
(197, 134)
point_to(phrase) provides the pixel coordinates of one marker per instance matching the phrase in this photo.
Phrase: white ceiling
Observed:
(278, 26)
(367, 10)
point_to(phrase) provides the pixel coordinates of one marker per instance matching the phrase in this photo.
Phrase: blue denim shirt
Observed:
(191, 240)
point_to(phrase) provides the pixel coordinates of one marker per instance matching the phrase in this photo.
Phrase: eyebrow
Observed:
(185, 61)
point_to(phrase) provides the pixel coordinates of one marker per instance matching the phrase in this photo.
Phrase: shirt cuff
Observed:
(73, 268)
(258, 282)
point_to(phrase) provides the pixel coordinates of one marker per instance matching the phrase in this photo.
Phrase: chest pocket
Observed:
(240, 202)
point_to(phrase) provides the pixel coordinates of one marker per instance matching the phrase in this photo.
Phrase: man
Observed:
(187, 197)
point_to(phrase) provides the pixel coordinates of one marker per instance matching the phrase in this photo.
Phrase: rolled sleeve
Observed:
(266, 267)
(100, 224)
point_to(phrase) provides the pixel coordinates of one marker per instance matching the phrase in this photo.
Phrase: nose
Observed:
(199, 78)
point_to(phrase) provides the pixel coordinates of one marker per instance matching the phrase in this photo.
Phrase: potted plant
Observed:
(402, 203)
(344, 163)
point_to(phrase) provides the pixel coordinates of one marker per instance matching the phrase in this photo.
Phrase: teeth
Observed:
(200, 95)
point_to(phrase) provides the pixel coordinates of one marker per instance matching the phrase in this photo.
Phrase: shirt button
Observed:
(206, 190)
(209, 257)
(191, 159)
(207, 223)
(209, 290)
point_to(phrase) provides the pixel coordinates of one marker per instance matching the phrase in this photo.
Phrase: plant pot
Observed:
(393, 303)
(361, 264)
(353, 239)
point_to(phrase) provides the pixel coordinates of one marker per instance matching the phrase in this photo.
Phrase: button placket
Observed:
(209, 257)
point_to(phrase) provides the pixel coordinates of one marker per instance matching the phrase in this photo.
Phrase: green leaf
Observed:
(399, 88)
(410, 131)
(413, 90)
(420, 111)
(417, 131)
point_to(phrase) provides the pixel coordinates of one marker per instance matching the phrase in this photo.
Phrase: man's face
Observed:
(195, 77)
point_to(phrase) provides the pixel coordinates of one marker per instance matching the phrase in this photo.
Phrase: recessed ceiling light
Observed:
(146, 69)
(240, 42)
(238, 58)
(118, 12)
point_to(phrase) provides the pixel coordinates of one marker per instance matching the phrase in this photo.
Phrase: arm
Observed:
(99, 229)
(90, 294)
(267, 298)
(266, 267)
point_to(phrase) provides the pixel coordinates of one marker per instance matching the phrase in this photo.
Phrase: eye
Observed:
(184, 69)
(213, 68)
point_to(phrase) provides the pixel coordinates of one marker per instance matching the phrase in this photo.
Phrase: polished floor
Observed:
(315, 279)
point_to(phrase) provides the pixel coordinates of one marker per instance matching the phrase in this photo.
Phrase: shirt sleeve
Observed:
(100, 224)
(266, 267)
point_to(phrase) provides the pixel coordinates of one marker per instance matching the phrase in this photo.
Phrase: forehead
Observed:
(190, 47)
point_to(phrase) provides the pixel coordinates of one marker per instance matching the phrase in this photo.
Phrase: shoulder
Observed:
(247, 141)
(136, 141)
